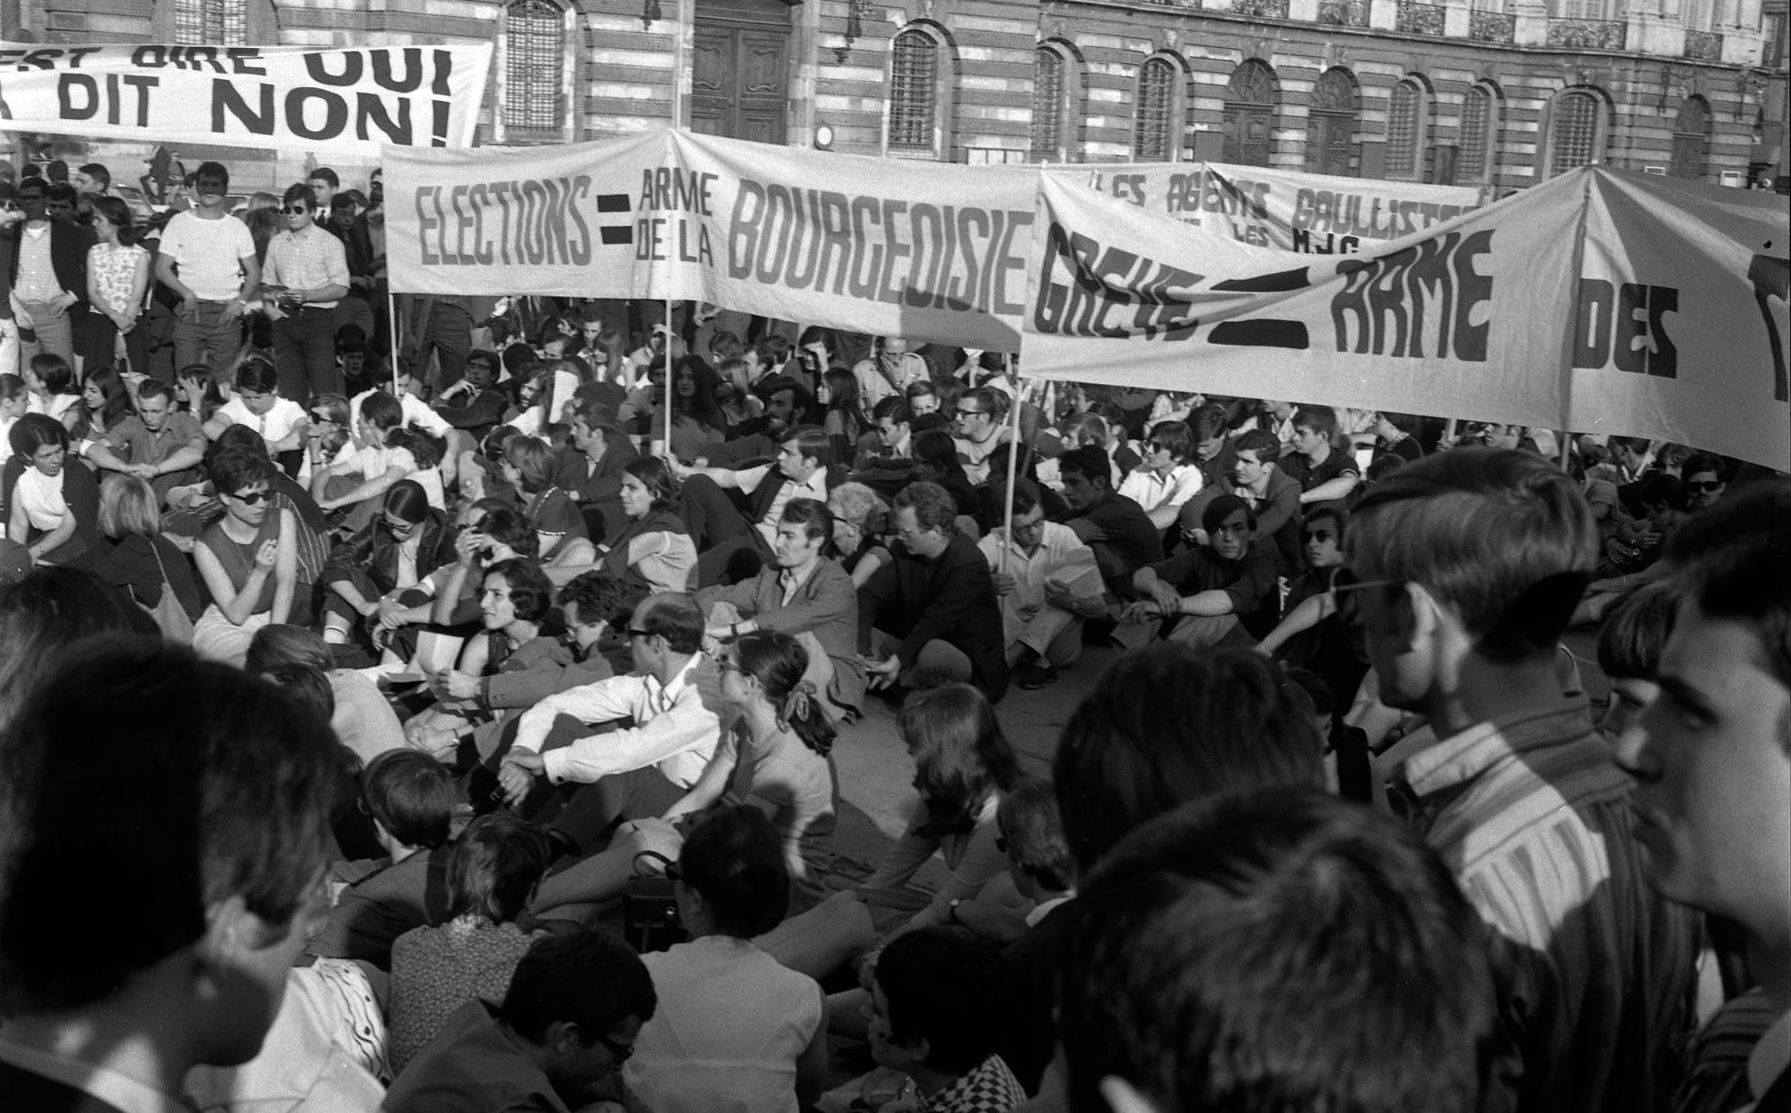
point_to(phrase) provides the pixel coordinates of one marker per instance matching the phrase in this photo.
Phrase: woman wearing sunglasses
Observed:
(248, 559)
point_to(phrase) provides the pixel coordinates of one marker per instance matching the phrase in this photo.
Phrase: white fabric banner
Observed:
(332, 100)
(1601, 301)
(1314, 214)
(926, 250)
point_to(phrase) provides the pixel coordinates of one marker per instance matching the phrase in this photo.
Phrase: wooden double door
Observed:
(740, 69)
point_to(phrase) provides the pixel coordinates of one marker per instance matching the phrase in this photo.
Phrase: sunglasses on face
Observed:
(295, 210)
(249, 498)
(1319, 535)
(1708, 485)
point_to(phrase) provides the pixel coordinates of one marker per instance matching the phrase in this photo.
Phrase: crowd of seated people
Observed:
(575, 624)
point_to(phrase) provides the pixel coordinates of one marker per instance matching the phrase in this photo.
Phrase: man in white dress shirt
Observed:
(638, 770)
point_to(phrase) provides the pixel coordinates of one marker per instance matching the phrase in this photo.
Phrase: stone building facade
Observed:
(1503, 93)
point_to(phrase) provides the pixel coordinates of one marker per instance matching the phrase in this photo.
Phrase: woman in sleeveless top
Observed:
(248, 559)
(655, 551)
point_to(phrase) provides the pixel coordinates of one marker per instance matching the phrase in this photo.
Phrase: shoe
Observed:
(1033, 677)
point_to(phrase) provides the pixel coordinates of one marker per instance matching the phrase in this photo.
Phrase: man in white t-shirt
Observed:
(207, 258)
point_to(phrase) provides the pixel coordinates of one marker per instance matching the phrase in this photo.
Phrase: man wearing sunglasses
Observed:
(207, 259)
(1465, 568)
(574, 1008)
(310, 266)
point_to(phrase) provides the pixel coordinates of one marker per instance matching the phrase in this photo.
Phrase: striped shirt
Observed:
(1534, 819)
(308, 259)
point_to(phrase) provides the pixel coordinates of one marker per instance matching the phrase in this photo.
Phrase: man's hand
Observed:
(459, 685)
(142, 471)
(882, 673)
(1061, 597)
(1141, 610)
(1168, 600)
(517, 775)
(390, 613)
(1004, 583)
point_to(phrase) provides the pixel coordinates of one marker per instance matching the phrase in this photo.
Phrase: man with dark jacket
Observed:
(930, 616)
(49, 275)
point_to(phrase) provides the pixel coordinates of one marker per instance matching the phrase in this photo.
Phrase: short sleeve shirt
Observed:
(208, 254)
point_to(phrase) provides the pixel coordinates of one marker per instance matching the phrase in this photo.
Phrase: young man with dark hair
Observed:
(1711, 756)
(1218, 591)
(934, 1012)
(324, 183)
(207, 259)
(1049, 586)
(929, 616)
(158, 443)
(162, 847)
(1704, 480)
(1465, 568)
(566, 1025)
(730, 537)
(1325, 473)
(48, 261)
(309, 268)
(1122, 536)
(1169, 477)
(1263, 950)
(92, 177)
(1044, 872)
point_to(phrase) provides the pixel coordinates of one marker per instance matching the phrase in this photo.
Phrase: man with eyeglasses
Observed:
(1049, 585)
(977, 431)
(309, 267)
(557, 1041)
(1703, 480)
(207, 259)
(634, 772)
(1465, 568)
(49, 276)
(929, 616)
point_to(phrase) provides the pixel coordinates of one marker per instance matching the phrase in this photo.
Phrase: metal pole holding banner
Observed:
(1013, 466)
(392, 332)
(669, 391)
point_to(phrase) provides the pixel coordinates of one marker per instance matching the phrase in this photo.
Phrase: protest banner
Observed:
(332, 100)
(924, 250)
(1601, 301)
(1316, 214)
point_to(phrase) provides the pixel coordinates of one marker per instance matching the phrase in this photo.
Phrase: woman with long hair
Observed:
(106, 401)
(370, 578)
(655, 552)
(698, 423)
(528, 465)
(117, 283)
(845, 420)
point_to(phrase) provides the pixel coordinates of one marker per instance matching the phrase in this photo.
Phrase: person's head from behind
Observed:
(1165, 725)
(1275, 948)
(578, 999)
(46, 612)
(1629, 646)
(936, 1003)
(1087, 476)
(1471, 557)
(770, 664)
(1038, 853)
(380, 414)
(128, 507)
(731, 876)
(493, 868)
(1711, 756)
(508, 535)
(935, 455)
(961, 757)
(410, 798)
(205, 826)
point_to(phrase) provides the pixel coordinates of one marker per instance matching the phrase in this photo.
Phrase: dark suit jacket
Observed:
(951, 599)
(68, 256)
(374, 552)
(827, 605)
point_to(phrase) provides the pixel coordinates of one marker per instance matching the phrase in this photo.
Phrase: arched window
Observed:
(1576, 131)
(1155, 127)
(1331, 134)
(211, 22)
(1481, 116)
(1251, 98)
(914, 92)
(1691, 139)
(1053, 93)
(1407, 130)
(532, 101)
